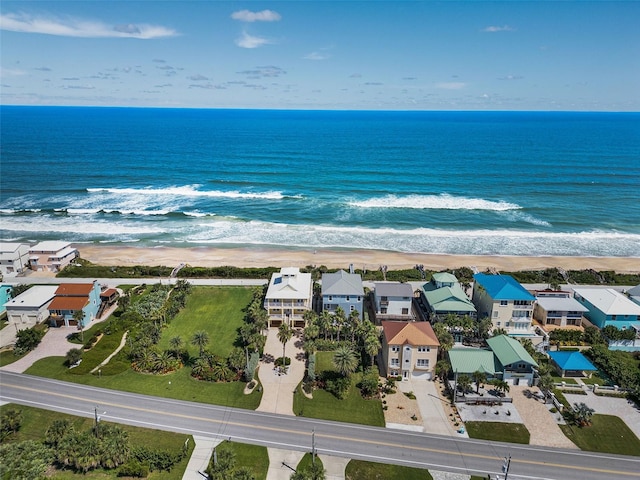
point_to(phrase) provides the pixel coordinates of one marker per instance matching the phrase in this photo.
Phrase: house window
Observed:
(405, 311)
(359, 299)
(348, 298)
(331, 298)
(383, 311)
(352, 308)
(503, 303)
(394, 373)
(495, 314)
(395, 349)
(424, 349)
(498, 324)
(395, 362)
(423, 362)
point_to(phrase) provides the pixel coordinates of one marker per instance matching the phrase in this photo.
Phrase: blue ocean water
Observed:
(511, 183)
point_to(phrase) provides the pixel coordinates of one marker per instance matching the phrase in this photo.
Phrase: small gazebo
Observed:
(572, 364)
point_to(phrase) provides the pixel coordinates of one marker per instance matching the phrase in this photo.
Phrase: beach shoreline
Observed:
(262, 256)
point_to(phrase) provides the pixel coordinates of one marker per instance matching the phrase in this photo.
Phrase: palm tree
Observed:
(372, 345)
(443, 368)
(176, 343)
(546, 385)
(583, 413)
(78, 316)
(464, 383)
(345, 360)
(478, 378)
(285, 332)
(201, 340)
(500, 386)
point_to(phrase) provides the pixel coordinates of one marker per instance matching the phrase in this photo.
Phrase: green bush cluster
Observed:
(27, 340)
(250, 369)
(311, 368)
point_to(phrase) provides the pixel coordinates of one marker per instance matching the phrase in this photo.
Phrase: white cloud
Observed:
(511, 77)
(494, 28)
(11, 72)
(316, 56)
(250, 41)
(75, 27)
(263, 16)
(451, 85)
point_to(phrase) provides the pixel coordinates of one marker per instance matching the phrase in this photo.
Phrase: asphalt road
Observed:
(332, 438)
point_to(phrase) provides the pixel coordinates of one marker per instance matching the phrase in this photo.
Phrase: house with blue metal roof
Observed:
(507, 303)
(571, 364)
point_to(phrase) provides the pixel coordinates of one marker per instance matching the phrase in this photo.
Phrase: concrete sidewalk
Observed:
(200, 457)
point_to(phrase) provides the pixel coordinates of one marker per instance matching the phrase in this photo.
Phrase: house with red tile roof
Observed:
(73, 297)
(409, 349)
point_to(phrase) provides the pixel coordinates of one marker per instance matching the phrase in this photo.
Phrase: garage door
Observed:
(421, 376)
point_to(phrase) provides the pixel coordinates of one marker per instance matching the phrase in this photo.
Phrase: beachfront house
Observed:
(74, 297)
(558, 310)
(634, 294)
(51, 256)
(507, 303)
(607, 306)
(409, 350)
(505, 359)
(393, 300)
(344, 290)
(288, 297)
(443, 296)
(30, 307)
(14, 258)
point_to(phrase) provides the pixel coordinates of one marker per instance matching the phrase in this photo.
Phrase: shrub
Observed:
(27, 340)
(250, 371)
(339, 387)
(280, 362)
(133, 468)
(311, 368)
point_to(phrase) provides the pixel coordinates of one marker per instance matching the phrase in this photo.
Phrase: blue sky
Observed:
(323, 55)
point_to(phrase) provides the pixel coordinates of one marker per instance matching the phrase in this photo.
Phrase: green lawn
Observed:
(498, 431)
(596, 378)
(179, 385)
(353, 409)
(219, 311)
(36, 421)
(361, 470)
(568, 381)
(607, 434)
(98, 353)
(306, 461)
(253, 457)
(7, 357)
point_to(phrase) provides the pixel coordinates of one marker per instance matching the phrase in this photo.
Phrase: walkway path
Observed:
(200, 457)
(278, 389)
(114, 353)
(536, 417)
(53, 344)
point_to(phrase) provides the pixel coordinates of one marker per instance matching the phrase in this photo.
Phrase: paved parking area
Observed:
(620, 407)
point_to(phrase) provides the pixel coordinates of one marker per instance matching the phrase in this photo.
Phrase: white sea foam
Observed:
(443, 201)
(190, 191)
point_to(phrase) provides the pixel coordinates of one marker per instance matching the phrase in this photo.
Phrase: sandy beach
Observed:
(331, 258)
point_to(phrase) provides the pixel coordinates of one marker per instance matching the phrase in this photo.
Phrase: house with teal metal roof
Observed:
(507, 303)
(505, 358)
(443, 296)
(571, 364)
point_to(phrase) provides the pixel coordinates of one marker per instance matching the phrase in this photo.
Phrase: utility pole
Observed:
(505, 466)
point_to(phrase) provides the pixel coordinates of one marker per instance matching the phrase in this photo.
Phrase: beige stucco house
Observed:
(288, 297)
(409, 349)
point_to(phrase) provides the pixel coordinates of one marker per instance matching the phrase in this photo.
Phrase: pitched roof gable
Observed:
(74, 289)
(68, 303)
(509, 351)
(502, 287)
(412, 333)
(572, 361)
(470, 360)
(342, 283)
(608, 301)
(449, 298)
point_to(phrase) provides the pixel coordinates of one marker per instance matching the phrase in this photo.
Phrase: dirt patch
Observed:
(401, 409)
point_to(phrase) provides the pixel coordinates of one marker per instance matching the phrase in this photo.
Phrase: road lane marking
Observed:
(321, 435)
